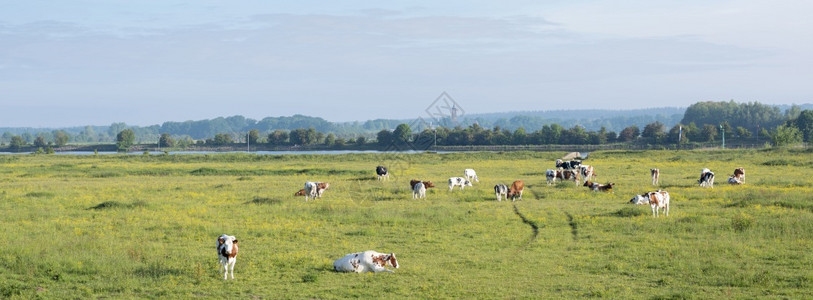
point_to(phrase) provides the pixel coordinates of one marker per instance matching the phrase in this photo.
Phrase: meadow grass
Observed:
(144, 226)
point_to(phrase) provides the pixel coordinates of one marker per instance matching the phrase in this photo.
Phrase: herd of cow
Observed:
(372, 261)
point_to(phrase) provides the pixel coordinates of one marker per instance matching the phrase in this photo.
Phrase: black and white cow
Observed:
(501, 190)
(458, 181)
(568, 165)
(706, 178)
(382, 172)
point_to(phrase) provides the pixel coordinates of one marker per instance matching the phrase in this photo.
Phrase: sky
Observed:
(95, 62)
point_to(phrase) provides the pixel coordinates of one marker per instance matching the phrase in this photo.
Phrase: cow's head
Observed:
(467, 183)
(225, 244)
(392, 261)
(587, 183)
(300, 193)
(428, 184)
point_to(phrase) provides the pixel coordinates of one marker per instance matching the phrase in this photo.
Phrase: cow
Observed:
(599, 187)
(426, 184)
(458, 181)
(659, 200)
(315, 189)
(567, 165)
(367, 261)
(640, 199)
(586, 172)
(550, 174)
(568, 175)
(301, 192)
(706, 178)
(227, 253)
(382, 172)
(739, 174)
(469, 174)
(734, 180)
(515, 191)
(501, 190)
(418, 191)
(656, 174)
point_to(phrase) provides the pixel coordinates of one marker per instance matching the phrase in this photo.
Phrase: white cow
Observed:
(418, 191)
(227, 253)
(367, 261)
(706, 178)
(658, 200)
(315, 189)
(550, 174)
(455, 181)
(469, 174)
(640, 199)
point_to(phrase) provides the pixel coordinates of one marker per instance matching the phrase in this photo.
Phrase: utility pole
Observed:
(248, 141)
(723, 131)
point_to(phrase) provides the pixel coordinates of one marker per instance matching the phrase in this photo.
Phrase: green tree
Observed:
(402, 134)
(742, 132)
(384, 137)
(330, 139)
(222, 139)
(519, 137)
(40, 142)
(654, 132)
(61, 138)
(805, 124)
(785, 135)
(629, 134)
(125, 139)
(361, 141)
(676, 135)
(166, 141)
(709, 132)
(278, 137)
(17, 142)
(253, 136)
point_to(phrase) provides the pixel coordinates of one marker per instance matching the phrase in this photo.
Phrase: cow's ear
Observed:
(220, 240)
(235, 242)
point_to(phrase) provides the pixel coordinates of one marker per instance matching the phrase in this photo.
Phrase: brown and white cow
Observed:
(515, 191)
(587, 172)
(227, 254)
(656, 175)
(315, 189)
(568, 175)
(739, 174)
(367, 261)
(659, 200)
(426, 184)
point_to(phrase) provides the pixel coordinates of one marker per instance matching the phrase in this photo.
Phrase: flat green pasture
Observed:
(145, 226)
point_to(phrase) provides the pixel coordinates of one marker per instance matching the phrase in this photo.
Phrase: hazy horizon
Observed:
(93, 62)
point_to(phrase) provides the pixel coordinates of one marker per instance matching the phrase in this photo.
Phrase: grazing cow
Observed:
(599, 187)
(568, 165)
(419, 191)
(640, 199)
(315, 189)
(501, 190)
(586, 172)
(301, 192)
(656, 174)
(382, 172)
(227, 253)
(470, 174)
(515, 191)
(568, 175)
(706, 178)
(426, 184)
(734, 180)
(455, 181)
(739, 174)
(658, 200)
(550, 174)
(367, 261)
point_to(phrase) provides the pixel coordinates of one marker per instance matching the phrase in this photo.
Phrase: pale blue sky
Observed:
(73, 63)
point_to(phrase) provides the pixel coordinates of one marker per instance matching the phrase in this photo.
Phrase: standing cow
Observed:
(469, 174)
(656, 175)
(706, 178)
(382, 172)
(501, 190)
(515, 191)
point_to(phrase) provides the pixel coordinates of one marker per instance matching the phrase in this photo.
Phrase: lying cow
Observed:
(599, 187)
(382, 172)
(739, 174)
(515, 191)
(469, 174)
(367, 261)
(733, 180)
(640, 199)
(706, 178)
(501, 190)
(227, 254)
(458, 181)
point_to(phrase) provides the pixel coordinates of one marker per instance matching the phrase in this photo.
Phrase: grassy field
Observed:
(144, 226)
